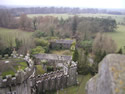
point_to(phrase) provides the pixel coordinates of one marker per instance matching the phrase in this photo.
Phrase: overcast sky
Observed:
(68, 3)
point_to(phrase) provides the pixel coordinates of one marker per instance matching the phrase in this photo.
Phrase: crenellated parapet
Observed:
(21, 75)
(51, 81)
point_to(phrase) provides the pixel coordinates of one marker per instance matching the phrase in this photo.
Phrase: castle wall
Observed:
(72, 79)
(20, 83)
(51, 81)
(23, 88)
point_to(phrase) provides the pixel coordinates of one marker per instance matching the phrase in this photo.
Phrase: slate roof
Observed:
(53, 57)
(64, 41)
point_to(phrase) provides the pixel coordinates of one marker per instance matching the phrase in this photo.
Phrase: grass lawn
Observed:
(119, 36)
(61, 52)
(12, 66)
(79, 89)
(8, 72)
(39, 69)
(9, 35)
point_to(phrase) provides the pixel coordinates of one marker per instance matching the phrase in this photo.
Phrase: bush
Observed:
(41, 42)
(37, 50)
(39, 34)
(50, 68)
(6, 51)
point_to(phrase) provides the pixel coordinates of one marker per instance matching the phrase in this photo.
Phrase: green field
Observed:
(118, 36)
(39, 70)
(118, 18)
(65, 16)
(9, 35)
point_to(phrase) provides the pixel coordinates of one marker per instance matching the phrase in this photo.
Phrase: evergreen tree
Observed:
(74, 26)
(120, 51)
(52, 32)
(75, 55)
(18, 43)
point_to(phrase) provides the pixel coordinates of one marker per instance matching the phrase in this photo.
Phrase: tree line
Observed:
(51, 24)
(61, 10)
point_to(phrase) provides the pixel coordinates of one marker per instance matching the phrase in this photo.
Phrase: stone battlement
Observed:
(56, 80)
(20, 76)
(51, 81)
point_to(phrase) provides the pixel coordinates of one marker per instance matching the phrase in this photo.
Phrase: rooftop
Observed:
(53, 57)
(64, 41)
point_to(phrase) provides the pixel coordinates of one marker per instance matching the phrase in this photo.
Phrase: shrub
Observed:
(41, 42)
(38, 50)
(39, 34)
(50, 68)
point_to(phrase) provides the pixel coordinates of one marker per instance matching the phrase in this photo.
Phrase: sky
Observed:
(67, 3)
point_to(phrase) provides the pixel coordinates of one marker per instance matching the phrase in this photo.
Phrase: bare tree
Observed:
(104, 43)
(25, 23)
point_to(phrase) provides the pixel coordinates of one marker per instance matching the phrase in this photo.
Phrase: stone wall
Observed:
(23, 88)
(56, 80)
(110, 78)
(51, 81)
(18, 84)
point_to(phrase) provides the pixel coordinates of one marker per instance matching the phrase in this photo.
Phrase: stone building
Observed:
(66, 77)
(26, 82)
(61, 44)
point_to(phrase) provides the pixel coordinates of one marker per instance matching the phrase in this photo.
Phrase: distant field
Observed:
(64, 16)
(119, 36)
(118, 18)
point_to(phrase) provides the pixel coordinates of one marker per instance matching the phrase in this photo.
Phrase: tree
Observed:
(1, 43)
(39, 34)
(86, 45)
(74, 25)
(120, 51)
(52, 31)
(27, 43)
(18, 43)
(35, 23)
(103, 43)
(83, 63)
(25, 23)
(6, 19)
(75, 55)
(97, 59)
